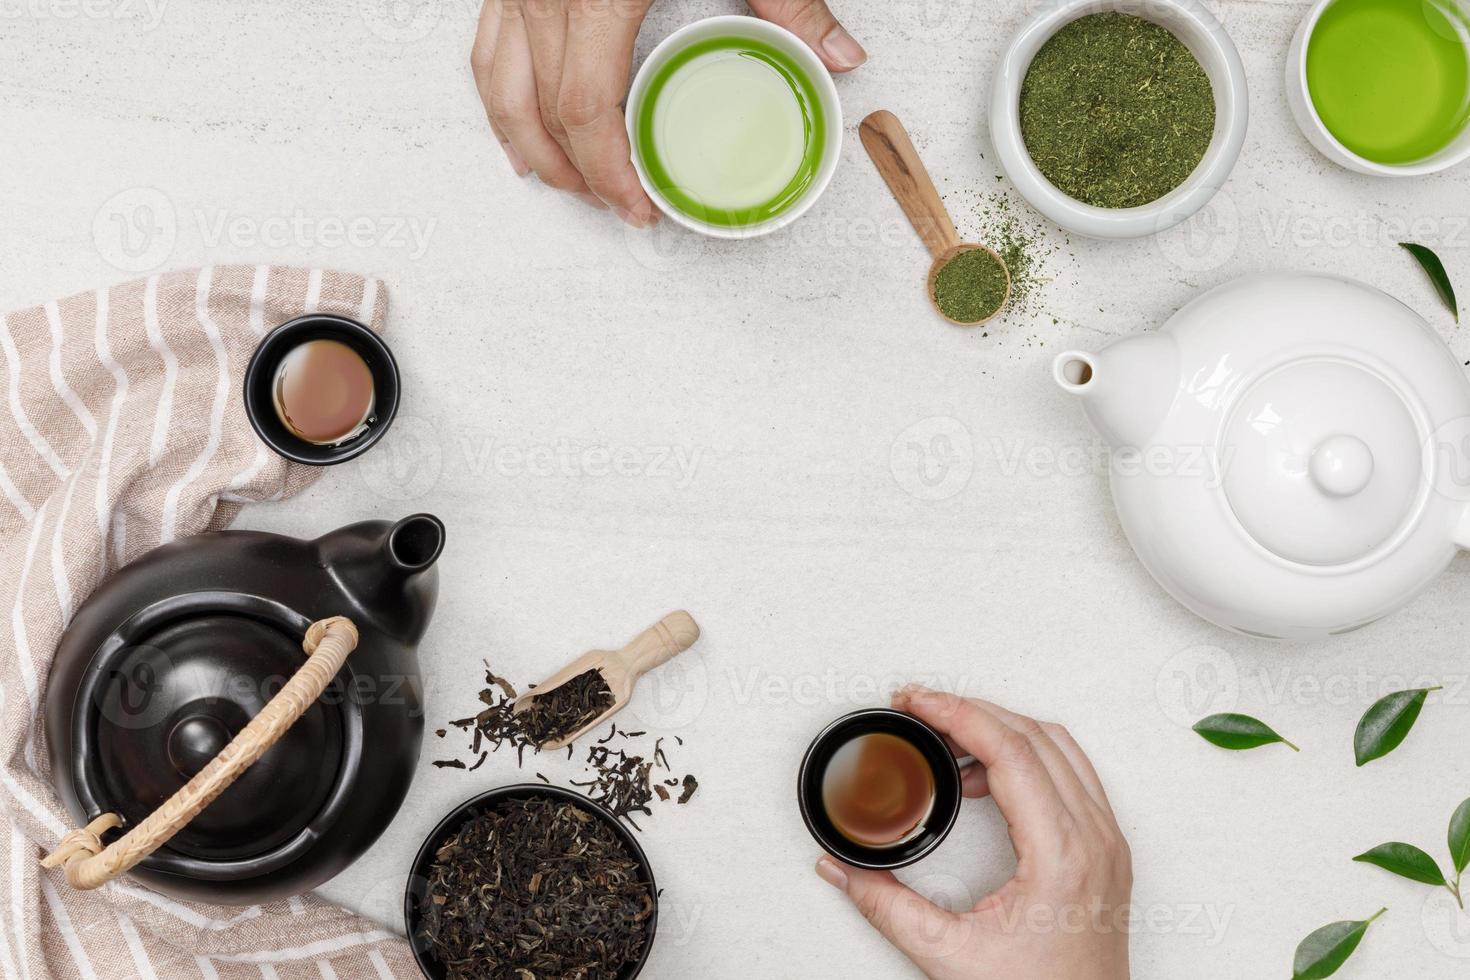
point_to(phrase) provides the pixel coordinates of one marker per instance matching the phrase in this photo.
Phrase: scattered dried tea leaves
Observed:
(1116, 111)
(971, 286)
(620, 780)
(535, 887)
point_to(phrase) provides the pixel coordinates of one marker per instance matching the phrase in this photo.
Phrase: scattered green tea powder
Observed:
(1020, 248)
(1029, 248)
(971, 286)
(1115, 111)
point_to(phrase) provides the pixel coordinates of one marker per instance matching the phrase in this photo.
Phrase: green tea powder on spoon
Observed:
(1115, 111)
(971, 286)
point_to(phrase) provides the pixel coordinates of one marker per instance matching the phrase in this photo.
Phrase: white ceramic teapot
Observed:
(1291, 452)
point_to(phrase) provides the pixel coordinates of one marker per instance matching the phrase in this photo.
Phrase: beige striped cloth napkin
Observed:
(124, 427)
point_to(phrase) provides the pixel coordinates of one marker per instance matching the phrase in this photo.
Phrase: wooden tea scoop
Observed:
(893, 153)
(621, 669)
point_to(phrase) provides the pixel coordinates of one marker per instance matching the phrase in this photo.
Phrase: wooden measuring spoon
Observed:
(621, 669)
(893, 153)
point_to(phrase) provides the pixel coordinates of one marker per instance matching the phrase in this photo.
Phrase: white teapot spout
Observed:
(1126, 388)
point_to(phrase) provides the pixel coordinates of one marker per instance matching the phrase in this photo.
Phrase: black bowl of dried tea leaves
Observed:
(531, 880)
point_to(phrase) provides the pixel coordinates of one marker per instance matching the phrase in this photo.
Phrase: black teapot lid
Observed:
(170, 689)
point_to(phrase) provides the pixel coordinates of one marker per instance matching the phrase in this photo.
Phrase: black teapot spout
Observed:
(387, 571)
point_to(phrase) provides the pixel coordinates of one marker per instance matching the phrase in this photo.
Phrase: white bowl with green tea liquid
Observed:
(735, 126)
(1383, 86)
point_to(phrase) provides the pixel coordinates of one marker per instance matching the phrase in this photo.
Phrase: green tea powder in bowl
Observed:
(1115, 111)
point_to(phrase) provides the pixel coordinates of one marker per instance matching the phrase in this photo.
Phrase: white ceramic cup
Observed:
(1202, 34)
(736, 25)
(1300, 99)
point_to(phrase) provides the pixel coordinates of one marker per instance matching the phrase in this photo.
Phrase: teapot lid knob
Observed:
(1341, 465)
(1299, 484)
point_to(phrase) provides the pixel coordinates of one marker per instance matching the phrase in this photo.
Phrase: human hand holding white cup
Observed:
(553, 74)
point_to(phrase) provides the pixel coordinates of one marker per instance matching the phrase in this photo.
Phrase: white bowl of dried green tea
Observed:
(1119, 125)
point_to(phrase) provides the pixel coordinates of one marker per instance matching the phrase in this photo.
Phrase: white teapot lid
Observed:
(1321, 460)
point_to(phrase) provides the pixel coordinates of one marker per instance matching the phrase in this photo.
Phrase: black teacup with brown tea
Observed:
(324, 392)
(321, 389)
(879, 789)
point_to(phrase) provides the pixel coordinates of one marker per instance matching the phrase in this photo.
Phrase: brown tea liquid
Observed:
(877, 789)
(324, 392)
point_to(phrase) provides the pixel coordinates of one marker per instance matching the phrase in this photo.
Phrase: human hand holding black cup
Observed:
(1065, 912)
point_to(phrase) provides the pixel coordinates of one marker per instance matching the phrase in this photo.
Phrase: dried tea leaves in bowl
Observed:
(535, 887)
(1116, 111)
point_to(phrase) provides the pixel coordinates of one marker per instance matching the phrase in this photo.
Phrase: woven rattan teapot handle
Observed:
(89, 865)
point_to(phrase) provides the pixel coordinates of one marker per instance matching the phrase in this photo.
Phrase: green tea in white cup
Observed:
(732, 131)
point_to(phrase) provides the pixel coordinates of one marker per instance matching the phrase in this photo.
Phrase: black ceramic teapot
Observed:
(202, 644)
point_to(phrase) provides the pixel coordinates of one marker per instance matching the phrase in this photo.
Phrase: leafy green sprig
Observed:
(1408, 861)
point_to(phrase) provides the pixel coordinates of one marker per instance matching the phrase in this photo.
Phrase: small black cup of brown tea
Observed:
(879, 789)
(321, 389)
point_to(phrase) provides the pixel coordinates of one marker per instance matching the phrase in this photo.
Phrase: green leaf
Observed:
(1404, 860)
(1460, 838)
(1325, 951)
(1238, 732)
(1385, 725)
(1434, 268)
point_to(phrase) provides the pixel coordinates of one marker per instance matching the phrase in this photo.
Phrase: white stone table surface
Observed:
(845, 492)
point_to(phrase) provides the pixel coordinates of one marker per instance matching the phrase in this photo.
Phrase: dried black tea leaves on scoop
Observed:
(535, 888)
(565, 709)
